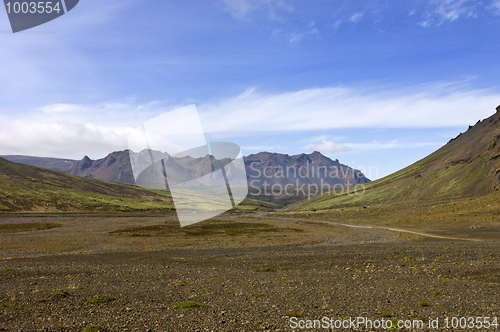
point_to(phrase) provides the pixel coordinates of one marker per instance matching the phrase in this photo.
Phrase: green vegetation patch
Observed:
(293, 313)
(28, 226)
(5, 305)
(423, 303)
(60, 295)
(92, 328)
(267, 269)
(188, 305)
(201, 229)
(91, 201)
(101, 299)
(59, 325)
(4, 208)
(386, 314)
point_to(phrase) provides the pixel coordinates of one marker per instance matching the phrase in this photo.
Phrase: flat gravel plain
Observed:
(253, 287)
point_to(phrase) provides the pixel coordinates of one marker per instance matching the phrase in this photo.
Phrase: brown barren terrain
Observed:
(244, 273)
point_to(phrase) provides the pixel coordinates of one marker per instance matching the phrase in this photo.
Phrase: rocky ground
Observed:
(236, 284)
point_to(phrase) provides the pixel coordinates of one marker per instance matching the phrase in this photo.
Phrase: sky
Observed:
(376, 84)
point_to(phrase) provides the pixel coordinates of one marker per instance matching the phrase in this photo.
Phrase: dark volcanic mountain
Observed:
(263, 169)
(114, 167)
(267, 169)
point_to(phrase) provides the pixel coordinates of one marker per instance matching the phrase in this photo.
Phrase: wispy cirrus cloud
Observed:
(107, 112)
(495, 7)
(242, 9)
(259, 148)
(61, 108)
(355, 18)
(328, 147)
(425, 106)
(393, 144)
(295, 38)
(337, 24)
(70, 131)
(448, 11)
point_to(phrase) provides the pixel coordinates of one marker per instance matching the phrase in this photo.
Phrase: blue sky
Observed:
(376, 84)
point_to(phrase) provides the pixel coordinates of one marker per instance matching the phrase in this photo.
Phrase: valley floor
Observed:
(246, 273)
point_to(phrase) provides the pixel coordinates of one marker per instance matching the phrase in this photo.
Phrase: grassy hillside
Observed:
(25, 188)
(467, 167)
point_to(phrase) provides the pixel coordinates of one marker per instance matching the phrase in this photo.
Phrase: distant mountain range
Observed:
(50, 163)
(114, 167)
(263, 169)
(26, 188)
(467, 167)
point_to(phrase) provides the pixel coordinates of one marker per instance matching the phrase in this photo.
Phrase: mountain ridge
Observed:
(116, 167)
(32, 189)
(57, 164)
(283, 169)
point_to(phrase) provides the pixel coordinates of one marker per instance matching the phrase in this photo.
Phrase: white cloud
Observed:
(312, 140)
(394, 144)
(295, 38)
(328, 147)
(259, 148)
(63, 140)
(432, 105)
(241, 9)
(449, 11)
(61, 108)
(129, 113)
(356, 17)
(71, 131)
(495, 7)
(425, 24)
(337, 24)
